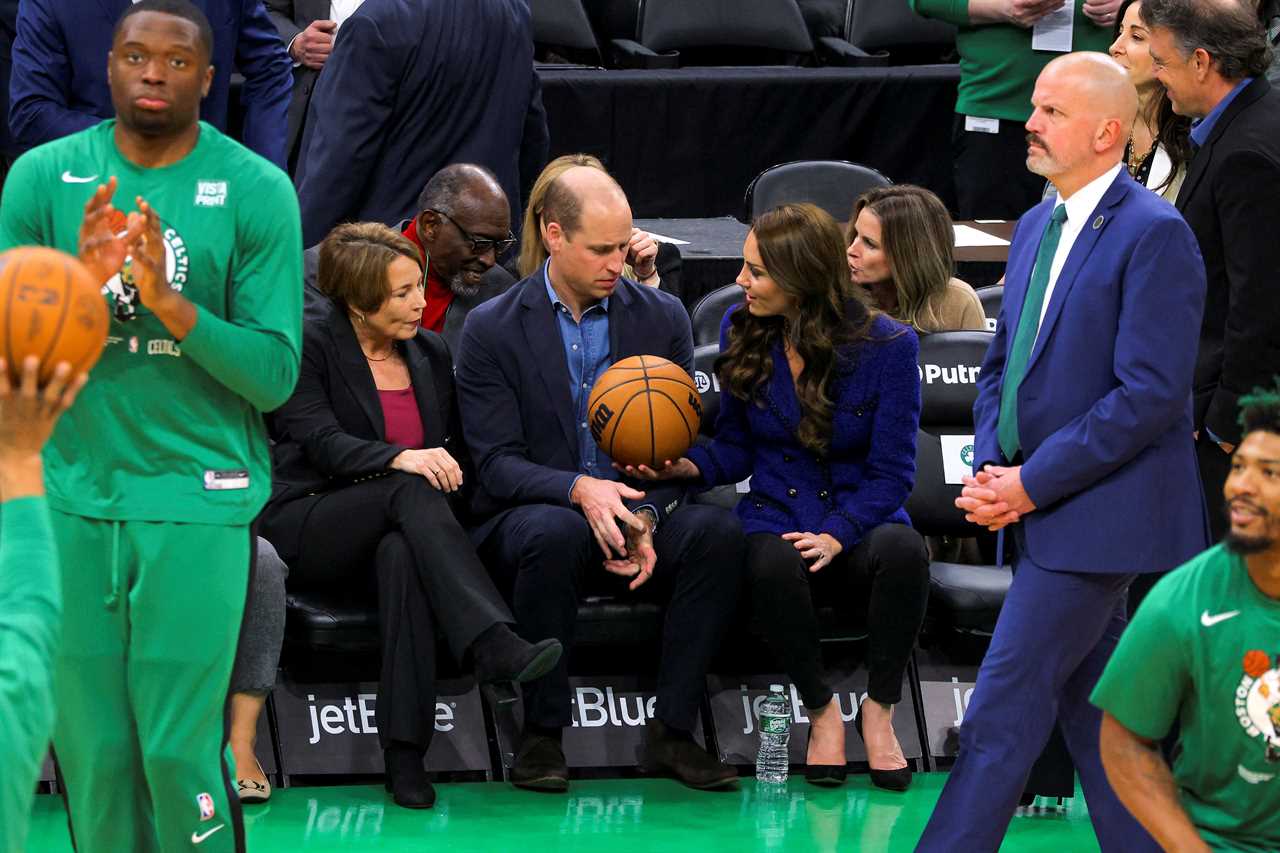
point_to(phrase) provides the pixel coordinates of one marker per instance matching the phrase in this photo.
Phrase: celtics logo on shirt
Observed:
(1258, 701)
(122, 289)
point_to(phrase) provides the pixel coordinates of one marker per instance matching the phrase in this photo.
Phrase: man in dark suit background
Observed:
(8, 31)
(411, 86)
(1211, 56)
(308, 28)
(554, 509)
(1083, 451)
(463, 226)
(59, 83)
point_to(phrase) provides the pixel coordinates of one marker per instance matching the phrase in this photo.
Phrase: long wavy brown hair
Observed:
(803, 251)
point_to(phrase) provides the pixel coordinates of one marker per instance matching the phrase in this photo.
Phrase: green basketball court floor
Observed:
(613, 815)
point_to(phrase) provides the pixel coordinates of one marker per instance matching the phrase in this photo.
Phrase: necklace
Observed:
(1132, 160)
(371, 358)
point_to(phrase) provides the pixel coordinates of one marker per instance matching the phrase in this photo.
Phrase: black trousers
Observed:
(428, 578)
(548, 558)
(1215, 465)
(992, 181)
(892, 560)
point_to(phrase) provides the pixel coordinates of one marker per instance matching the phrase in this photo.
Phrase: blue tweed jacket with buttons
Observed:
(867, 473)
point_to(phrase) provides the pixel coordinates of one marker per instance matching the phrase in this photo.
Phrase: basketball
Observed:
(644, 410)
(49, 308)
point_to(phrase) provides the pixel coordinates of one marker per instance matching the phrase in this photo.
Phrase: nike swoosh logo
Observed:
(1252, 777)
(198, 837)
(1209, 621)
(69, 178)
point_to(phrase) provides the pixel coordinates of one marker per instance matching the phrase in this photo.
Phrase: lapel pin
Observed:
(1097, 223)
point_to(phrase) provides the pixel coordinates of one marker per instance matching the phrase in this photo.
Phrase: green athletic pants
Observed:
(152, 614)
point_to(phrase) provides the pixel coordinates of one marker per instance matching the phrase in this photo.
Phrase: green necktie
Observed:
(1025, 336)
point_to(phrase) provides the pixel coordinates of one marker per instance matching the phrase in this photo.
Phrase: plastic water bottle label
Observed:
(774, 724)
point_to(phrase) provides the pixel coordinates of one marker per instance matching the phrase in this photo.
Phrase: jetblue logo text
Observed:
(594, 708)
(358, 717)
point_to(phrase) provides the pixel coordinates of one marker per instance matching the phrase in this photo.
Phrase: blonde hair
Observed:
(353, 264)
(918, 241)
(533, 253)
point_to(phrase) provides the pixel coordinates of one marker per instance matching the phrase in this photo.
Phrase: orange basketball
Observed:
(51, 308)
(644, 410)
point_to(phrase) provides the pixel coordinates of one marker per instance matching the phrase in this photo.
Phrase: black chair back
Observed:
(677, 24)
(833, 185)
(992, 298)
(949, 364)
(709, 312)
(876, 25)
(563, 24)
(704, 377)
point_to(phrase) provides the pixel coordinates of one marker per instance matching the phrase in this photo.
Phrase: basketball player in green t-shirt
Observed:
(157, 472)
(1203, 651)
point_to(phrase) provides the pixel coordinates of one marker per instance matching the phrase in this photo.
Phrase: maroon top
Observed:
(400, 414)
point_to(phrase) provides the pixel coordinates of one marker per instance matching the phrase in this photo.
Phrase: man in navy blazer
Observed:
(412, 86)
(1083, 450)
(59, 83)
(554, 510)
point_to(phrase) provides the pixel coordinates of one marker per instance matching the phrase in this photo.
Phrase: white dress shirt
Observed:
(1080, 213)
(340, 10)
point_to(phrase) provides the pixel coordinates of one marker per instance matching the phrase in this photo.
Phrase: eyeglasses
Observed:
(480, 245)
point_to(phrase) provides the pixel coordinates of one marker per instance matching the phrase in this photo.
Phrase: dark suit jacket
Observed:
(513, 387)
(59, 83)
(292, 17)
(412, 86)
(1231, 200)
(495, 282)
(1104, 406)
(331, 433)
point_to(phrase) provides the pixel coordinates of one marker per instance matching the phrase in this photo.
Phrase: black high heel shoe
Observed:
(823, 775)
(889, 780)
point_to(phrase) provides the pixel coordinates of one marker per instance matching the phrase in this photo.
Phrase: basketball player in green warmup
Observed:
(155, 475)
(30, 599)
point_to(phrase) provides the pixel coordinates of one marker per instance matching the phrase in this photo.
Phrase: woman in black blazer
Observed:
(370, 469)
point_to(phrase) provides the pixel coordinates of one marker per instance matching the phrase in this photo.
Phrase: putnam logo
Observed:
(1258, 702)
(704, 381)
(960, 374)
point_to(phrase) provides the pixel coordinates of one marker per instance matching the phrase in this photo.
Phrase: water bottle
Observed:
(774, 758)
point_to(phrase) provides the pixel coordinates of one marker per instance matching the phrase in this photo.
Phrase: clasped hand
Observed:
(995, 497)
(601, 501)
(108, 238)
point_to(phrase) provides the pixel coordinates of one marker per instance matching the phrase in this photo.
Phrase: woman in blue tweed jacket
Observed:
(820, 404)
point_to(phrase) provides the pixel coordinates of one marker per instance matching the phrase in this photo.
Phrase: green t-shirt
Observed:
(998, 67)
(172, 430)
(1204, 650)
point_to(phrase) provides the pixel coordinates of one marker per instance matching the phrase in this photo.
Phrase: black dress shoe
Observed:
(668, 751)
(825, 775)
(500, 655)
(890, 780)
(406, 780)
(540, 765)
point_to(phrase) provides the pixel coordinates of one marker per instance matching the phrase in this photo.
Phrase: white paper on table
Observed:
(658, 238)
(957, 458)
(968, 237)
(1053, 31)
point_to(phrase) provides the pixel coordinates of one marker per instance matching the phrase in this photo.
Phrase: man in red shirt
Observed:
(462, 229)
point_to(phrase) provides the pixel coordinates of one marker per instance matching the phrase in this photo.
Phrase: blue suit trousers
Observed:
(1054, 636)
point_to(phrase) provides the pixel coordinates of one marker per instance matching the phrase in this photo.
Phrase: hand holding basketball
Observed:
(27, 411)
(681, 469)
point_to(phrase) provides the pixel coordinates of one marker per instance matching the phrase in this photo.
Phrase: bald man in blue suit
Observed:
(1084, 451)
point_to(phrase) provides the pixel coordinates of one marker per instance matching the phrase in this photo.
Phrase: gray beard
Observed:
(460, 287)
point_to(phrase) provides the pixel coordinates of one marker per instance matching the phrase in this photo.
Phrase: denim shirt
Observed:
(586, 352)
(1201, 128)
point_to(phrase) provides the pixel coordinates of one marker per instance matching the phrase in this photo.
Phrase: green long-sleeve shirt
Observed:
(172, 430)
(998, 68)
(30, 612)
